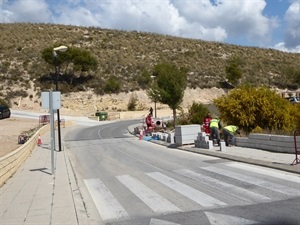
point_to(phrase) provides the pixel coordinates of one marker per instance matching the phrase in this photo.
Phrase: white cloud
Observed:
(30, 10)
(234, 17)
(282, 47)
(150, 16)
(291, 42)
(292, 33)
(80, 17)
(213, 20)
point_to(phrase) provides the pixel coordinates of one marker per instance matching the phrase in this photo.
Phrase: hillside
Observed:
(126, 55)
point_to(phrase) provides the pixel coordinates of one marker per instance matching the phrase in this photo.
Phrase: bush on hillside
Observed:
(112, 85)
(131, 106)
(4, 102)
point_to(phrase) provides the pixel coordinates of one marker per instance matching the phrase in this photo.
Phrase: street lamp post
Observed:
(61, 49)
(153, 77)
(155, 108)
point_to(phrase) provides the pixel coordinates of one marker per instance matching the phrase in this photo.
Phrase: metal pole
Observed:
(52, 130)
(153, 77)
(155, 108)
(58, 116)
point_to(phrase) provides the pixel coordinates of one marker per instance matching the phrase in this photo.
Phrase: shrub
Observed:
(183, 119)
(197, 113)
(250, 107)
(18, 93)
(257, 130)
(4, 102)
(132, 103)
(112, 85)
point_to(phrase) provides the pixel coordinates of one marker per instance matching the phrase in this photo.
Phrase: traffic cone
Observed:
(39, 142)
(141, 134)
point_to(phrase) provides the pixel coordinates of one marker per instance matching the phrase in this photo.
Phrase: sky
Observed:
(260, 23)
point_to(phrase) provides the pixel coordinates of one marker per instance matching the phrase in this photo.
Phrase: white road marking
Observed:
(161, 222)
(156, 202)
(256, 181)
(238, 192)
(108, 207)
(193, 194)
(266, 171)
(217, 219)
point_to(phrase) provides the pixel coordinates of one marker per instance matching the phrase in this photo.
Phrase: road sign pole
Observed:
(52, 130)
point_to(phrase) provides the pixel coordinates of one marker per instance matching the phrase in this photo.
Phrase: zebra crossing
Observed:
(191, 189)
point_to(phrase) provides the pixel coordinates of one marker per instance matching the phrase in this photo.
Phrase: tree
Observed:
(250, 107)
(233, 71)
(169, 85)
(74, 60)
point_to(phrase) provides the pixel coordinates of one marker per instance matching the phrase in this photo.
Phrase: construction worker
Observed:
(214, 127)
(149, 122)
(228, 133)
(206, 121)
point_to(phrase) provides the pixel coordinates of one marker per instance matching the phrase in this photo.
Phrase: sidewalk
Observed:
(35, 196)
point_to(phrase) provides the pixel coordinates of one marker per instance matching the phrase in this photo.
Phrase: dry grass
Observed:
(126, 54)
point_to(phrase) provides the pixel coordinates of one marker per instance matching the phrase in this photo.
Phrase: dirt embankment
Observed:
(10, 129)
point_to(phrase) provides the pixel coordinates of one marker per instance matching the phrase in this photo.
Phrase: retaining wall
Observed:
(11, 162)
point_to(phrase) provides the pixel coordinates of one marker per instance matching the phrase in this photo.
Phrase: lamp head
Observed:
(61, 48)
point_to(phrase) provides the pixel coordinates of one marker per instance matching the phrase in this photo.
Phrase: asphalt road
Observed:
(126, 181)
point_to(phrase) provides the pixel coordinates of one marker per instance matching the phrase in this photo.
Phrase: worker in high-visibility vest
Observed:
(214, 127)
(228, 133)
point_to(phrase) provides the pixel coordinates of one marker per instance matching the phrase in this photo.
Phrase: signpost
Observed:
(51, 100)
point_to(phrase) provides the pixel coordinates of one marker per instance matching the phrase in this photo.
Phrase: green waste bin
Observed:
(101, 115)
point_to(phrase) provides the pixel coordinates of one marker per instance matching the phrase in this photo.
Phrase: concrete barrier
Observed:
(270, 142)
(186, 134)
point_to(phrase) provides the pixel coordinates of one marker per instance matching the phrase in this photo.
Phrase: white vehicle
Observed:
(293, 99)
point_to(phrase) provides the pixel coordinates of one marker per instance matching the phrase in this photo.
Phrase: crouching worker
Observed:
(228, 133)
(214, 127)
